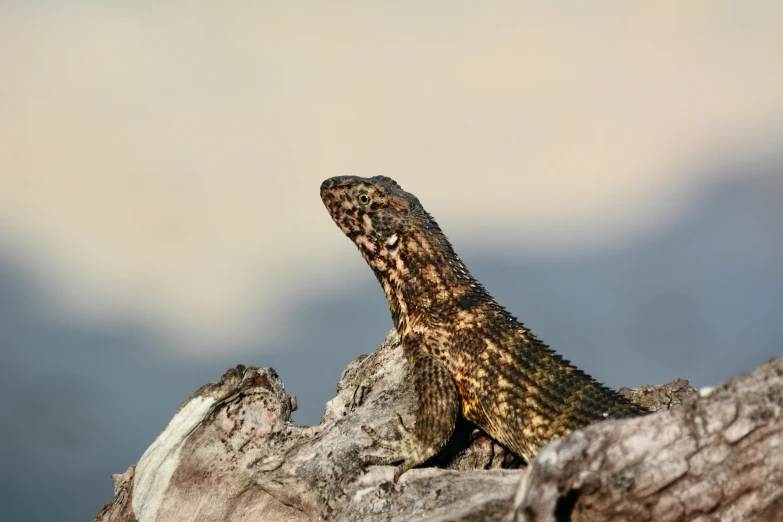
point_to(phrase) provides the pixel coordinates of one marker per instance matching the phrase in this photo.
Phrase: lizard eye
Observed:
(364, 199)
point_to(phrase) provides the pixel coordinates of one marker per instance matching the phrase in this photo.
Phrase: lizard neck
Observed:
(424, 280)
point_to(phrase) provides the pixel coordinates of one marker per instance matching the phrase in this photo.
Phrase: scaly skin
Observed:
(466, 352)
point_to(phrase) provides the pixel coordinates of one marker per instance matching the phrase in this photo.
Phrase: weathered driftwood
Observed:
(232, 453)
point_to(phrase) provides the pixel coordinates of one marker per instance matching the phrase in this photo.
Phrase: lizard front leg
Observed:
(438, 406)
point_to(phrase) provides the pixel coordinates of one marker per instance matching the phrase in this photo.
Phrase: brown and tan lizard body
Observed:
(466, 352)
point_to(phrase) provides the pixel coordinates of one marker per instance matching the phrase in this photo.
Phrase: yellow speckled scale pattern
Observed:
(466, 352)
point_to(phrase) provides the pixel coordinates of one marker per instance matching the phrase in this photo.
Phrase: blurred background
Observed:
(613, 173)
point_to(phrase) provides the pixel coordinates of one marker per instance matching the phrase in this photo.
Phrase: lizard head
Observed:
(373, 212)
(402, 243)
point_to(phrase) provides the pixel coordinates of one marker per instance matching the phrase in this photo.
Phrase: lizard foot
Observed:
(361, 383)
(358, 391)
(408, 449)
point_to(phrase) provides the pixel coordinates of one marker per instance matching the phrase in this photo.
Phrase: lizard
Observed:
(467, 354)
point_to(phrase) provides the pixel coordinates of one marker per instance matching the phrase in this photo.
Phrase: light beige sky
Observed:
(164, 159)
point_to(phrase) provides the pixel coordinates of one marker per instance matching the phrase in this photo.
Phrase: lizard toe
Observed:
(408, 450)
(383, 442)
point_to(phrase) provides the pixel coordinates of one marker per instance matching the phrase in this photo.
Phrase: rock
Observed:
(231, 452)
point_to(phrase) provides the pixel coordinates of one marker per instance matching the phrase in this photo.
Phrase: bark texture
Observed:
(231, 452)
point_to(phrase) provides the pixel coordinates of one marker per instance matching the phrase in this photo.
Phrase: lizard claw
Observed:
(377, 439)
(399, 427)
(357, 396)
(361, 385)
(408, 449)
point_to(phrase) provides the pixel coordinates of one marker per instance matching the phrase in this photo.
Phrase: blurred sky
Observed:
(611, 171)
